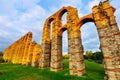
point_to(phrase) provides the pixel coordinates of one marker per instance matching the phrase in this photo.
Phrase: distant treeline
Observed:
(1, 53)
(94, 56)
(91, 56)
(1, 57)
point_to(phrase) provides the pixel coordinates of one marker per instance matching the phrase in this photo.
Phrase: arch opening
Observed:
(64, 41)
(64, 46)
(89, 35)
(62, 13)
(49, 26)
(63, 16)
(91, 46)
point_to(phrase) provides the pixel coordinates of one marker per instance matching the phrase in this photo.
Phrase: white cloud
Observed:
(36, 12)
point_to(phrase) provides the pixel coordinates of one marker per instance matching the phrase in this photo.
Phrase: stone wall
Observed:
(23, 51)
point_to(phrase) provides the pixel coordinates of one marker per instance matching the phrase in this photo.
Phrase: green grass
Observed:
(11, 71)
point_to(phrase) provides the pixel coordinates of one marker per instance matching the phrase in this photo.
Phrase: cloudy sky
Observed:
(17, 17)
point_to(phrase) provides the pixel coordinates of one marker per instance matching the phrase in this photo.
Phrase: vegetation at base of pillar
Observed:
(1, 57)
(94, 56)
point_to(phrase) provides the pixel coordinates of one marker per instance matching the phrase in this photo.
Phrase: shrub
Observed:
(96, 56)
(65, 56)
(1, 60)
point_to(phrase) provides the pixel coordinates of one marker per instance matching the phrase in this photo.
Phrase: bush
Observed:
(1, 53)
(96, 56)
(65, 56)
(1, 60)
(99, 61)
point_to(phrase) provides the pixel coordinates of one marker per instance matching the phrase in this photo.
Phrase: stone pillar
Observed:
(36, 54)
(46, 47)
(75, 49)
(56, 49)
(109, 39)
(27, 44)
(15, 50)
(18, 51)
(56, 54)
(23, 41)
(76, 60)
(30, 52)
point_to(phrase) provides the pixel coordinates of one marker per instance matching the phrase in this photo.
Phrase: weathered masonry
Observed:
(23, 51)
(109, 35)
(51, 48)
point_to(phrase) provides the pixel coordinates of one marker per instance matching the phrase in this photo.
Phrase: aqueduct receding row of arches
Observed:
(103, 17)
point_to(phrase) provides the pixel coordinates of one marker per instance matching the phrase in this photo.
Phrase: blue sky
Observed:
(17, 17)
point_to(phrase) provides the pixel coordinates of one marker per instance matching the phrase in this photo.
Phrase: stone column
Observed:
(36, 54)
(30, 52)
(46, 47)
(76, 60)
(18, 51)
(109, 39)
(27, 44)
(56, 54)
(23, 41)
(15, 46)
(56, 49)
(75, 49)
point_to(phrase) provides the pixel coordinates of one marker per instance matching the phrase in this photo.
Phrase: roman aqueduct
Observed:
(49, 53)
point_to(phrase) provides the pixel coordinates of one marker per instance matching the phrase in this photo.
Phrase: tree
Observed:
(88, 54)
(97, 57)
(1, 53)
(1, 57)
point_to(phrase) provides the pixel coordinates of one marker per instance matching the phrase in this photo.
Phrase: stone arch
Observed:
(62, 29)
(63, 10)
(56, 50)
(104, 19)
(85, 19)
(46, 44)
(61, 13)
(46, 30)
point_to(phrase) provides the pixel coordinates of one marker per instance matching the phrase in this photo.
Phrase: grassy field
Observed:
(9, 71)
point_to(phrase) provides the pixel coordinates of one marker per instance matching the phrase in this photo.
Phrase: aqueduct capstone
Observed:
(51, 48)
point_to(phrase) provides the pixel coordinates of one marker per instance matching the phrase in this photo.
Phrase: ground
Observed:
(9, 71)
